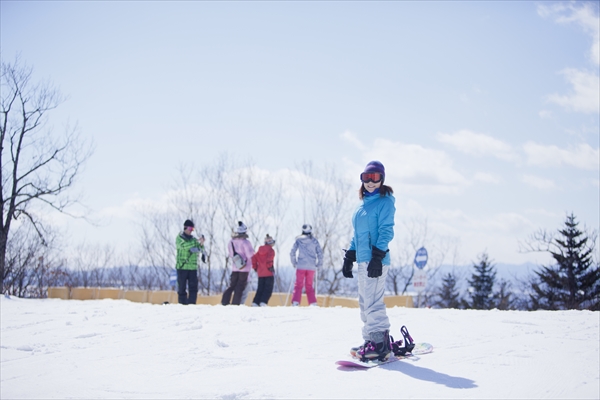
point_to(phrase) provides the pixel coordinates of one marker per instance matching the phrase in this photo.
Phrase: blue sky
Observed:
(486, 114)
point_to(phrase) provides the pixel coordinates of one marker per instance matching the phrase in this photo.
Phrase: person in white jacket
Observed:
(306, 257)
(238, 245)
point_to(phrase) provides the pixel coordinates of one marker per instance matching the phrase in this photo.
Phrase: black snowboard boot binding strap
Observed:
(402, 347)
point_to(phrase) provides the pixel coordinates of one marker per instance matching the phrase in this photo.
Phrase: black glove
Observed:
(349, 259)
(375, 268)
(271, 269)
(203, 258)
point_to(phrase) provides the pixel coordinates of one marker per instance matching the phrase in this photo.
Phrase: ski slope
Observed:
(113, 349)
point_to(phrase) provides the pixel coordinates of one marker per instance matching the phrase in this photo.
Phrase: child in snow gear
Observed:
(373, 225)
(306, 257)
(188, 248)
(238, 245)
(262, 263)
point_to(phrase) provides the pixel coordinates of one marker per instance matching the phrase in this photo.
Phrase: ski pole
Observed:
(289, 291)
(316, 283)
(278, 281)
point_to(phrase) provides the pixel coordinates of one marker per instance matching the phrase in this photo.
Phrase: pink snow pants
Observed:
(304, 277)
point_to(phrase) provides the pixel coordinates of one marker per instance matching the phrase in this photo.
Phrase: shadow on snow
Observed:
(424, 374)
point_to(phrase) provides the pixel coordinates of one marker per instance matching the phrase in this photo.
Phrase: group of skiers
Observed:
(373, 229)
(306, 256)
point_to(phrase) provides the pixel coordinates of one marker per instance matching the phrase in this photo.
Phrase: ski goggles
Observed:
(374, 177)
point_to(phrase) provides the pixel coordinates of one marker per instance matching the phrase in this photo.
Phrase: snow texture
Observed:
(113, 349)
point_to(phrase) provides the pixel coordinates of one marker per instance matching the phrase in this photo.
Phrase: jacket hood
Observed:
(369, 199)
(305, 237)
(263, 250)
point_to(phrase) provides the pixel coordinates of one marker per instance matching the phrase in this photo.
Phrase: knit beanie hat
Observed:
(241, 228)
(188, 223)
(375, 166)
(269, 240)
(306, 228)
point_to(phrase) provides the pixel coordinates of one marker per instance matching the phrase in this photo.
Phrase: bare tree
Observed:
(418, 235)
(22, 254)
(157, 240)
(38, 167)
(32, 266)
(327, 205)
(91, 265)
(241, 191)
(215, 197)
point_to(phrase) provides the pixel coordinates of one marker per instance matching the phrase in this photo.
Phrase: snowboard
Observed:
(420, 348)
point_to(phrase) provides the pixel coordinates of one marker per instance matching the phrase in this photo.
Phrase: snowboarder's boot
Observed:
(354, 350)
(375, 350)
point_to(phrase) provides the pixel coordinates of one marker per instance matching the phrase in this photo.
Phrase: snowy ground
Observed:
(117, 349)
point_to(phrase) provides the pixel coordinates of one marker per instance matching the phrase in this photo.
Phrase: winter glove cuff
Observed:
(349, 260)
(375, 267)
(350, 255)
(377, 253)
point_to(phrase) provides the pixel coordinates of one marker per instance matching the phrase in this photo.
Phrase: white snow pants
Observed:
(370, 301)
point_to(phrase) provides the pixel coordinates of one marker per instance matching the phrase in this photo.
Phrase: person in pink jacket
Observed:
(239, 245)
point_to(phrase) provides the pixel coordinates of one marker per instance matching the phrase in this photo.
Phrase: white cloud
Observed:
(545, 114)
(477, 144)
(537, 182)
(486, 178)
(508, 222)
(544, 213)
(585, 96)
(486, 227)
(585, 15)
(352, 138)
(583, 156)
(417, 168)
(497, 233)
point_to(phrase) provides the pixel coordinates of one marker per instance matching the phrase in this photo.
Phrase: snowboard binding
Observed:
(403, 346)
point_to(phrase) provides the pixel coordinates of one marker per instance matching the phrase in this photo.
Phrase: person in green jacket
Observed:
(188, 248)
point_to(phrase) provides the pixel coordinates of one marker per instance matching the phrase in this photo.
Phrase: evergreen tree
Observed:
(505, 299)
(574, 281)
(449, 296)
(482, 285)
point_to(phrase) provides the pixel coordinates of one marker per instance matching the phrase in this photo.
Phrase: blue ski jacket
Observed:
(373, 223)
